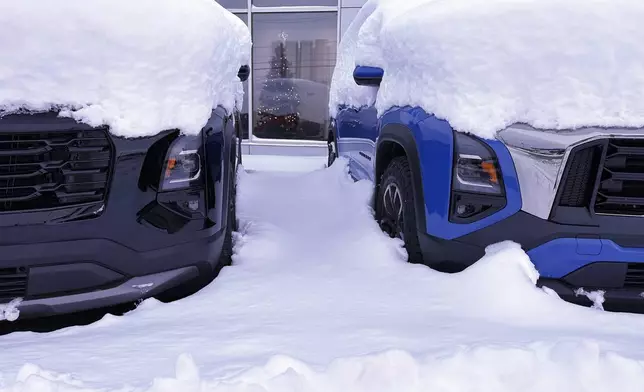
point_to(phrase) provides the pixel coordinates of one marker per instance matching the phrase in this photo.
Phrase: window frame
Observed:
(252, 9)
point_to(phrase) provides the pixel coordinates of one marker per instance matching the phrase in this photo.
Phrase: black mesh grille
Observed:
(634, 276)
(621, 190)
(53, 169)
(580, 179)
(13, 283)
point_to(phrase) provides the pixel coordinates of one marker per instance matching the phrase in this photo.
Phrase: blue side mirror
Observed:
(368, 76)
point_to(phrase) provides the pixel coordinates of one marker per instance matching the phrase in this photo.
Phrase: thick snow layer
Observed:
(486, 64)
(138, 66)
(344, 91)
(320, 300)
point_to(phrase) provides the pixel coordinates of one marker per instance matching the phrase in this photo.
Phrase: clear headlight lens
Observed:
(476, 169)
(182, 167)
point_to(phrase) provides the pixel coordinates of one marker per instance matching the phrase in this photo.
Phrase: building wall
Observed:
(294, 54)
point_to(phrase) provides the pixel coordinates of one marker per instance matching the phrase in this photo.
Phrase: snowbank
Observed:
(563, 366)
(486, 64)
(138, 66)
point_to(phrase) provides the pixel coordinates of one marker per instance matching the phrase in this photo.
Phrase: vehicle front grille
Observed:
(580, 180)
(621, 187)
(634, 276)
(41, 170)
(606, 177)
(13, 284)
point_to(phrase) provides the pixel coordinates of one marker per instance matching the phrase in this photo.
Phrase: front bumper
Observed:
(574, 204)
(131, 290)
(71, 276)
(568, 257)
(616, 300)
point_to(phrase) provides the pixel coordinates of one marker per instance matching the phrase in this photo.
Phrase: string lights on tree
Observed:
(279, 98)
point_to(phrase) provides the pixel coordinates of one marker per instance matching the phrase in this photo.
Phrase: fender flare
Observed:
(403, 136)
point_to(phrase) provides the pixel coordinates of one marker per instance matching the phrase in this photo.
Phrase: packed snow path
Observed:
(314, 279)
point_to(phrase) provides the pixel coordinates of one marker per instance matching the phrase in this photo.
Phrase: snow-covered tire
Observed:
(231, 222)
(396, 198)
(332, 151)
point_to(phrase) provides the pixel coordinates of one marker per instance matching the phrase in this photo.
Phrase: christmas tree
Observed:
(279, 99)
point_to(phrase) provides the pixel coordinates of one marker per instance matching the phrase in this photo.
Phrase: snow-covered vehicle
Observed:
(484, 121)
(118, 149)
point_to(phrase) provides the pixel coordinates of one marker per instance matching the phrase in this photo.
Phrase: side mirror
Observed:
(368, 76)
(244, 73)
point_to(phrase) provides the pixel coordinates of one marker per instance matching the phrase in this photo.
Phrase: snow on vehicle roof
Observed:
(486, 64)
(140, 67)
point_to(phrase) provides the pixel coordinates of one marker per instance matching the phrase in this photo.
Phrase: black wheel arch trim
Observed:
(403, 136)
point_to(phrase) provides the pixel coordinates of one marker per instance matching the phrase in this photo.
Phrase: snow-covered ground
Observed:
(283, 163)
(320, 300)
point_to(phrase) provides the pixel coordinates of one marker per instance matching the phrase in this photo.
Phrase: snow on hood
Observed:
(486, 64)
(140, 67)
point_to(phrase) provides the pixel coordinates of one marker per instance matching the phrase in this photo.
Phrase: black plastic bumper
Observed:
(616, 300)
(620, 280)
(71, 276)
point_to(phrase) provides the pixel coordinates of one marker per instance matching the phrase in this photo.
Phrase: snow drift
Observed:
(486, 64)
(569, 366)
(138, 66)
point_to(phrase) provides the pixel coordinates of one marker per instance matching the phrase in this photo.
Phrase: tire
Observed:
(226, 257)
(395, 203)
(332, 151)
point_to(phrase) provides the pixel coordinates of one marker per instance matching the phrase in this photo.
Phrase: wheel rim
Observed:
(392, 217)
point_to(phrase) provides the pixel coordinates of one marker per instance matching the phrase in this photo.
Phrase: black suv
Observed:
(90, 220)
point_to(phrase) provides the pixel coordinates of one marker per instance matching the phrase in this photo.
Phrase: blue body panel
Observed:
(558, 258)
(357, 133)
(436, 148)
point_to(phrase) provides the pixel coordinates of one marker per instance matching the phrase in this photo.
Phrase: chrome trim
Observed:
(469, 156)
(540, 158)
(473, 184)
(188, 179)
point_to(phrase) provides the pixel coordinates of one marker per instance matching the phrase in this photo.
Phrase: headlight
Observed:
(476, 168)
(182, 167)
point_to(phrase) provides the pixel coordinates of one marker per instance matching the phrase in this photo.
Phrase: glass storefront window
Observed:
(294, 3)
(293, 59)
